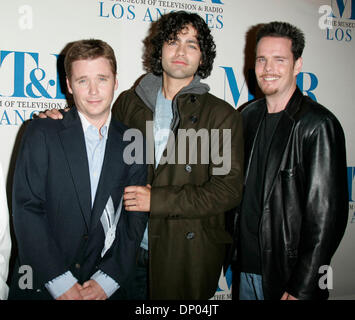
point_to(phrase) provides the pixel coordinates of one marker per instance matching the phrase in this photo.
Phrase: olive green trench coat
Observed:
(187, 236)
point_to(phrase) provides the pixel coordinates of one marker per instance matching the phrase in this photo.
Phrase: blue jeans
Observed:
(251, 287)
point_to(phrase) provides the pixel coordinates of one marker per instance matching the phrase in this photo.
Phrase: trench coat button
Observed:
(188, 168)
(77, 265)
(193, 98)
(190, 235)
(193, 119)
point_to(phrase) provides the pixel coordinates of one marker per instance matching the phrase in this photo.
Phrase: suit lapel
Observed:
(73, 142)
(111, 174)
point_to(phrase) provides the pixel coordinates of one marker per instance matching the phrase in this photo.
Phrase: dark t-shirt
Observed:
(249, 249)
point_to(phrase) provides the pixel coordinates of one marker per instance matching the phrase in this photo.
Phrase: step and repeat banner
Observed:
(35, 32)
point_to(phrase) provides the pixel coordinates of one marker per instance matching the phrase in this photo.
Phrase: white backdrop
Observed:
(34, 32)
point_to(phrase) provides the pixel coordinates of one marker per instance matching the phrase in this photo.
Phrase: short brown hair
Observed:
(284, 30)
(89, 49)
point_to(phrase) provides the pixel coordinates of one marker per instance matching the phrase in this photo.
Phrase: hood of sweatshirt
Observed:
(150, 85)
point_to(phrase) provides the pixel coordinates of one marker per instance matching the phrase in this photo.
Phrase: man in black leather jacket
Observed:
(295, 203)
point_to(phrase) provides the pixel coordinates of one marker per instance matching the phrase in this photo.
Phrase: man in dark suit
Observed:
(72, 230)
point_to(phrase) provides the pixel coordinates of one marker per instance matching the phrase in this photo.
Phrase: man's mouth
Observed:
(270, 77)
(179, 62)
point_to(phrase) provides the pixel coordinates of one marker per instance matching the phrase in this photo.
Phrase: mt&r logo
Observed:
(338, 19)
(29, 79)
(344, 9)
(28, 84)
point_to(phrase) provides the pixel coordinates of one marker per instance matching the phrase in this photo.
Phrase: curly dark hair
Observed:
(167, 28)
(283, 30)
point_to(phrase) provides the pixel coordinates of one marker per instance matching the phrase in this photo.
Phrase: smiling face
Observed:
(181, 57)
(92, 84)
(275, 67)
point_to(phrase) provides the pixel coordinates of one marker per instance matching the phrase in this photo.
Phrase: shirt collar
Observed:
(86, 124)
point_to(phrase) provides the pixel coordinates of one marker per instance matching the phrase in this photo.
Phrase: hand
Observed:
(137, 198)
(91, 290)
(287, 296)
(52, 113)
(72, 294)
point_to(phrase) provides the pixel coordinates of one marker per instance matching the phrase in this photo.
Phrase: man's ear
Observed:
(116, 82)
(69, 86)
(298, 66)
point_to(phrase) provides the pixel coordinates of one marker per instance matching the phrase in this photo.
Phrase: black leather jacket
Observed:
(305, 198)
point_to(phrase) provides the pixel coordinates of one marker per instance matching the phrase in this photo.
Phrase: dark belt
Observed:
(142, 257)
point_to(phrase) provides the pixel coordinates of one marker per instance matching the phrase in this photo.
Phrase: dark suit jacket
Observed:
(55, 226)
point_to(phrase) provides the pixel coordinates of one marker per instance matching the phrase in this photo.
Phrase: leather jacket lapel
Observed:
(280, 141)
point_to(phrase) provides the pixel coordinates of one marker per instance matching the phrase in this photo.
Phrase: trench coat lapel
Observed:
(189, 107)
(73, 142)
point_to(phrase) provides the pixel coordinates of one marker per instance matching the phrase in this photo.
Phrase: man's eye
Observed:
(82, 81)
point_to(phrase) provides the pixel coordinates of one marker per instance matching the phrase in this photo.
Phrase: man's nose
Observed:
(268, 65)
(92, 87)
(180, 50)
